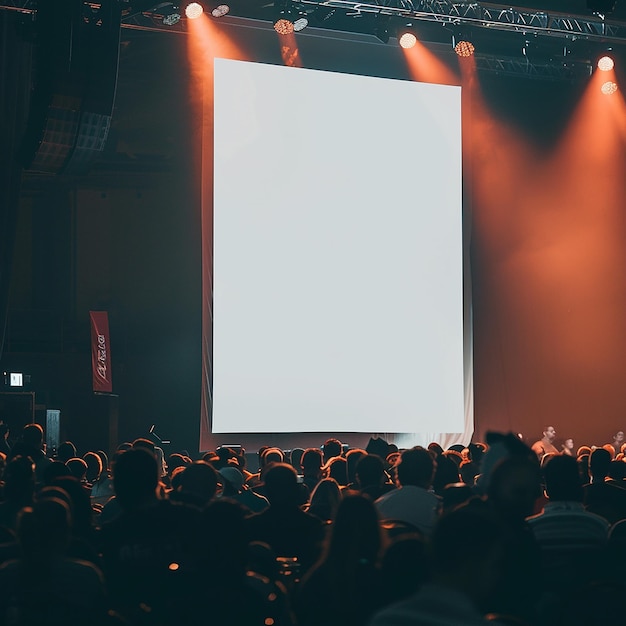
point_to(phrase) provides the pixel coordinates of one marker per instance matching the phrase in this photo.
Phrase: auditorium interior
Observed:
(106, 187)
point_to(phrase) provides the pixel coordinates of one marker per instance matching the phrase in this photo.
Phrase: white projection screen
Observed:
(338, 253)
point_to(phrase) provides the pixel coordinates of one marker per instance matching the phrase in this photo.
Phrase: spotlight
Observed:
(283, 26)
(193, 10)
(301, 23)
(608, 88)
(407, 40)
(464, 48)
(606, 64)
(220, 10)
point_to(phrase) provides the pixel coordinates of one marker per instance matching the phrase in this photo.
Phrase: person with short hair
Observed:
(546, 444)
(148, 536)
(567, 534)
(284, 525)
(567, 447)
(468, 548)
(332, 447)
(412, 501)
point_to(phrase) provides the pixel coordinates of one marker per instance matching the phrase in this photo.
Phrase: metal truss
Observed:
(489, 16)
(483, 17)
(475, 14)
(513, 66)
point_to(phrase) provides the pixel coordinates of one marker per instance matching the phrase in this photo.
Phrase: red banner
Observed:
(100, 352)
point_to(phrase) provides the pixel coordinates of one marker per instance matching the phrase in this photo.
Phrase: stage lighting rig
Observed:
(462, 45)
(169, 12)
(406, 36)
(194, 10)
(606, 63)
(290, 18)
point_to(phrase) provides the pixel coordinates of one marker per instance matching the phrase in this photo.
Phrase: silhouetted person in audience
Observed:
(617, 474)
(565, 532)
(471, 467)
(455, 495)
(5, 448)
(412, 502)
(405, 567)
(197, 485)
(295, 458)
(66, 451)
(312, 461)
(140, 545)
(284, 526)
(324, 500)
(94, 467)
(602, 497)
(332, 447)
(352, 458)
(45, 586)
(514, 486)
(337, 469)
(78, 468)
(19, 487)
(234, 488)
(219, 589)
(468, 548)
(371, 478)
(267, 456)
(31, 444)
(345, 587)
(82, 513)
(446, 473)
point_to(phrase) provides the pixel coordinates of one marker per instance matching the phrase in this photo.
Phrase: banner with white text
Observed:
(100, 352)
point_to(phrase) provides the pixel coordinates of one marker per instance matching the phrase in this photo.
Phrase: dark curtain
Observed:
(15, 75)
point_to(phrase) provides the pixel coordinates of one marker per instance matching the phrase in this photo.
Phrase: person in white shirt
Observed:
(412, 502)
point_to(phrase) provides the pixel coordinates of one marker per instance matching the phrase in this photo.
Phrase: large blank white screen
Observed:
(337, 253)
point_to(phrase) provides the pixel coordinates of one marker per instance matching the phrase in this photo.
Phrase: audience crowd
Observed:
(499, 532)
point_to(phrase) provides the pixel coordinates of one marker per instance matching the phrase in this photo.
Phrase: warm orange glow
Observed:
(425, 67)
(606, 64)
(550, 248)
(464, 48)
(205, 42)
(289, 50)
(193, 10)
(407, 40)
